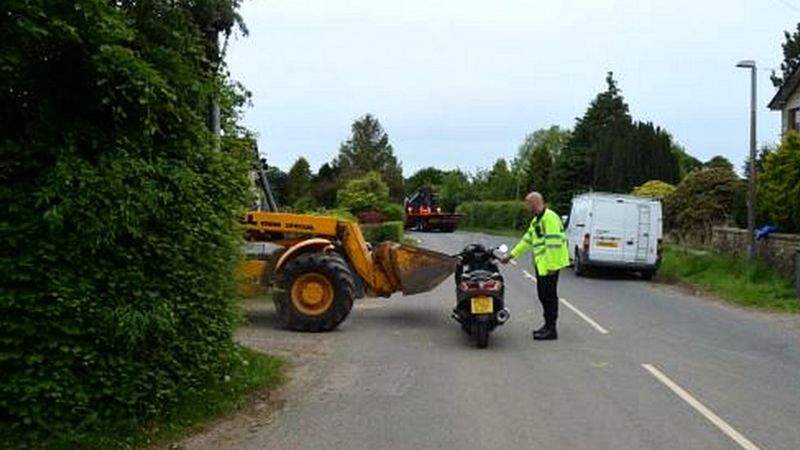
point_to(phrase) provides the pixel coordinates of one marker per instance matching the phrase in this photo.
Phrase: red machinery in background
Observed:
(424, 214)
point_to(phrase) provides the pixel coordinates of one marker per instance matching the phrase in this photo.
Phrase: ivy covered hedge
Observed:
(119, 218)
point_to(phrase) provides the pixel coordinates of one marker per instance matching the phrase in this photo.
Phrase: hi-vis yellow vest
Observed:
(545, 237)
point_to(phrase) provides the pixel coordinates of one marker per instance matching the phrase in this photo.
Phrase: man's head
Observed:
(535, 202)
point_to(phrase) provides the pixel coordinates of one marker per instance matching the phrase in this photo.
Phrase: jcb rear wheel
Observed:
(317, 294)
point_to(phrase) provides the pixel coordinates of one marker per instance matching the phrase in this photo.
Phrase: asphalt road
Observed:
(671, 371)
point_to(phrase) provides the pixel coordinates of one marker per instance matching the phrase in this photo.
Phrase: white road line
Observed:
(584, 317)
(707, 413)
(529, 276)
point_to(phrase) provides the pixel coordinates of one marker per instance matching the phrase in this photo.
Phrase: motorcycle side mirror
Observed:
(503, 248)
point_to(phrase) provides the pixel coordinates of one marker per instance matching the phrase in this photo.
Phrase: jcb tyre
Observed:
(318, 291)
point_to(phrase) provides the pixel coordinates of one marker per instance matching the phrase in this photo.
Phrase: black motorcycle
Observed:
(480, 307)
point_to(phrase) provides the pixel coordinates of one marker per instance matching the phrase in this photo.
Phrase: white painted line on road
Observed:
(584, 316)
(528, 275)
(707, 413)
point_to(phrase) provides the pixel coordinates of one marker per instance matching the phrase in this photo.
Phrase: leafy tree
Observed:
(703, 199)
(791, 57)
(633, 154)
(574, 170)
(454, 190)
(686, 162)
(501, 183)
(761, 156)
(719, 162)
(126, 301)
(368, 149)
(366, 193)
(427, 177)
(298, 183)
(654, 188)
(537, 155)
(278, 181)
(779, 184)
(325, 184)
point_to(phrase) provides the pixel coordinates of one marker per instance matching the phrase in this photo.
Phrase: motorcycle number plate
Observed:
(482, 305)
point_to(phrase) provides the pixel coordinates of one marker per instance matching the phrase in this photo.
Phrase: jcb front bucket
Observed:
(414, 269)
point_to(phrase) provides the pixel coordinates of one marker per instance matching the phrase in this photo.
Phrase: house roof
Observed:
(787, 89)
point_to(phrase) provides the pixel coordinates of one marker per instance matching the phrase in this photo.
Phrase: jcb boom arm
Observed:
(389, 268)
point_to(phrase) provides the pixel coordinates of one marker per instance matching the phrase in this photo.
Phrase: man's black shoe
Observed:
(545, 334)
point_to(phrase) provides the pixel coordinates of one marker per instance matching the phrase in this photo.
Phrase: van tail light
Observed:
(659, 249)
(586, 240)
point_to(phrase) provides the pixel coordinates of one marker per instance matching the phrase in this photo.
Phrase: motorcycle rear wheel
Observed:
(482, 334)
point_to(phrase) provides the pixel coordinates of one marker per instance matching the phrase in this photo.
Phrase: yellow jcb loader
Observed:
(317, 265)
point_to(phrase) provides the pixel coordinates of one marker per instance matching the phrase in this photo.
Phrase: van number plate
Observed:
(607, 244)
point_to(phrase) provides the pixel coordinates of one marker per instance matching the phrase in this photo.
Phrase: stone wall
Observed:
(777, 251)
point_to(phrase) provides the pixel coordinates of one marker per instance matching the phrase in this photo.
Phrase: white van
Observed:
(615, 230)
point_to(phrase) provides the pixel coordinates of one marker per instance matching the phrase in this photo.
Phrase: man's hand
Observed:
(505, 259)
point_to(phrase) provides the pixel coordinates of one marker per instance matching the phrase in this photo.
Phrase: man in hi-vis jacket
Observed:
(545, 237)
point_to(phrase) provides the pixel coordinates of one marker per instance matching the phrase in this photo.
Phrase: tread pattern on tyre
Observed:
(337, 271)
(482, 335)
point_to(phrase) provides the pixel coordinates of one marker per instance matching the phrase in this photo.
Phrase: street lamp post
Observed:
(751, 191)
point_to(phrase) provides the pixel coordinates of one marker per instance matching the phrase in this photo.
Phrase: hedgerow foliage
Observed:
(511, 214)
(779, 185)
(703, 199)
(118, 218)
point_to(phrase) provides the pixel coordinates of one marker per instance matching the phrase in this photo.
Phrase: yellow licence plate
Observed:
(482, 305)
(607, 244)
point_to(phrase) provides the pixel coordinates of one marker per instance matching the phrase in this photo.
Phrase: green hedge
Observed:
(119, 218)
(393, 212)
(386, 231)
(495, 214)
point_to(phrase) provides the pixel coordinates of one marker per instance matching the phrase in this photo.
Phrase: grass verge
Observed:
(195, 410)
(745, 283)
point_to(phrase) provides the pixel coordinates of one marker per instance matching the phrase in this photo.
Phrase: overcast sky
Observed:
(460, 83)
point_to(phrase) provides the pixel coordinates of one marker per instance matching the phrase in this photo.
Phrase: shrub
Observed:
(367, 193)
(654, 188)
(386, 231)
(779, 185)
(392, 231)
(495, 214)
(393, 212)
(304, 204)
(119, 218)
(703, 199)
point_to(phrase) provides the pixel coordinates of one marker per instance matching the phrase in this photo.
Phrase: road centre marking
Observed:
(528, 275)
(584, 317)
(574, 309)
(702, 409)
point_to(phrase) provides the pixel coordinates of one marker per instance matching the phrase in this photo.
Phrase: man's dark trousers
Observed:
(547, 288)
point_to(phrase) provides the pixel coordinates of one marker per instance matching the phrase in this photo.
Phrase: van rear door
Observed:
(608, 230)
(639, 218)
